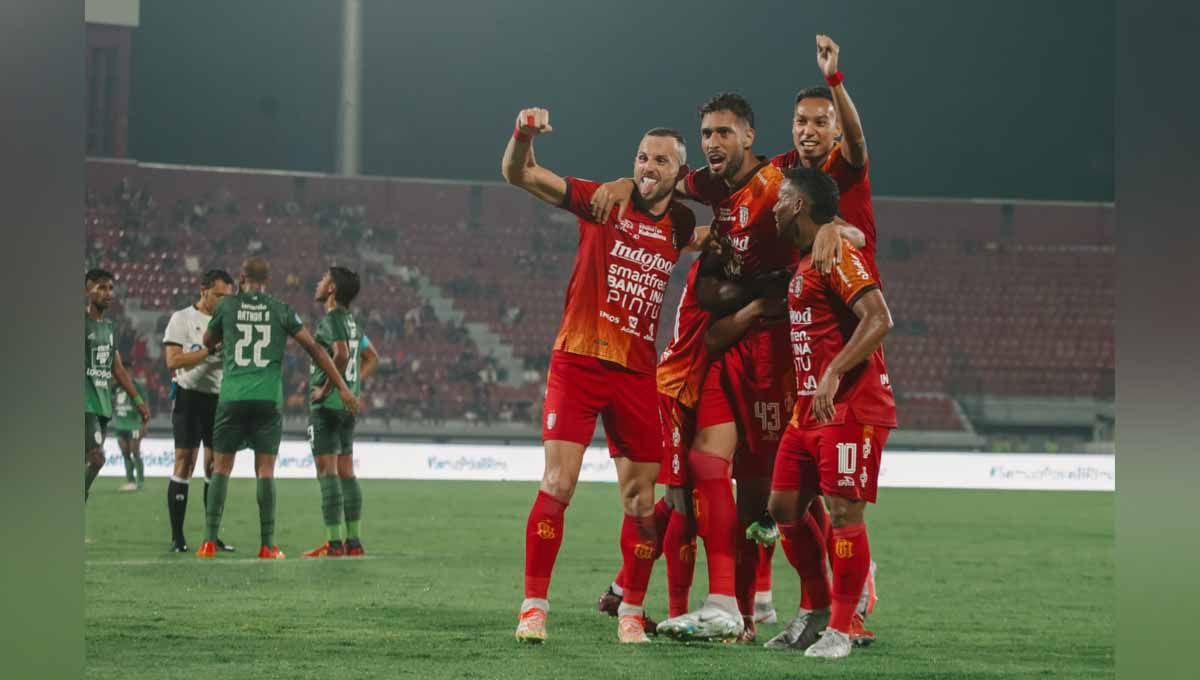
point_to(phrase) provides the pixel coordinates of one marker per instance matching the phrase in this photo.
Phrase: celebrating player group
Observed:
(774, 375)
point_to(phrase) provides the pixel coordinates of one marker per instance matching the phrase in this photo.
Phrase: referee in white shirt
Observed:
(197, 378)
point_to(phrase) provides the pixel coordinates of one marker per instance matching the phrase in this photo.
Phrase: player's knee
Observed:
(782, 507)
(558, 484)
(638, 499)
(845, 512)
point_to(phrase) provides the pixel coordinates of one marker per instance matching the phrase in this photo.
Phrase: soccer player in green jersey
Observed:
(330, 426)
(129, 429)
(101, 365)
(250, 329)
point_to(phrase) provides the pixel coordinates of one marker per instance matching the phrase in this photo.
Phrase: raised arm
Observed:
(875, 321)
(520, 168)
(854, 142)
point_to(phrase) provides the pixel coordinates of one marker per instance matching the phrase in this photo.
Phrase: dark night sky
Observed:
(982, 99)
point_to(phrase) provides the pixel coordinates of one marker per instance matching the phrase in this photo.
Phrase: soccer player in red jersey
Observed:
(827, 133)
(603, 363)
(843, 413)
(747, 390)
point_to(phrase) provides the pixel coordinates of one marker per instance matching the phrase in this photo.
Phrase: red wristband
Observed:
(835, 79)
(520, 136)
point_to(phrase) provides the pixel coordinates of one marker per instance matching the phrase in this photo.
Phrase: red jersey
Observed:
(620, 277)
(822, 317)
(684, 362)
(854, 189)
(744, 214)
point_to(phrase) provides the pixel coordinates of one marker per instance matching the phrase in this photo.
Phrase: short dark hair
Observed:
(820, 189)
(673, 134)
(96, 275)
(256, 269)
(729, 101)
(821, 92)
(347, 285)
(213, 275)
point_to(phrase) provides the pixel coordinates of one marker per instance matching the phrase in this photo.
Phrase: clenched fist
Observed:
(827, 55)
(533, 122)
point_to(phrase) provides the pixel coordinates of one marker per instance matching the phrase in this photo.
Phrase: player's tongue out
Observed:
(647, 184)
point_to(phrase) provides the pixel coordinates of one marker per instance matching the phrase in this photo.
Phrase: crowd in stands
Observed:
(988, 298)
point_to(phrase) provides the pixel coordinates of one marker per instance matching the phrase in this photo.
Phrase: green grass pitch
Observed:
(972, 584)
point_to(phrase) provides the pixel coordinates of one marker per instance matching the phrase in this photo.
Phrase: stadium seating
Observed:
(989, 297)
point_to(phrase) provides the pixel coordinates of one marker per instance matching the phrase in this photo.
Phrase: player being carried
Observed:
(251, 329)
(330, 425)
(101, 365)
(746, 390)
(822, 137)
(843, 413)
(603, 360)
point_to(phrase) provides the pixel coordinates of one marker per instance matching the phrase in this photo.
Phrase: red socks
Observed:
(746, 573)
(804, 545)
(543, 537)
(662, 517)
(716, 518)
(762, 584)
(679, 545)
(850, 554)
(639, 538)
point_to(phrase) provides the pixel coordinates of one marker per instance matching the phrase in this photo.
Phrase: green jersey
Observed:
(338, 325)
(125, 414)
(99, 346)
(254, 328)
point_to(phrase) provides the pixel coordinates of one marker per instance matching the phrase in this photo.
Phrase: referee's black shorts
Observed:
(193, 417)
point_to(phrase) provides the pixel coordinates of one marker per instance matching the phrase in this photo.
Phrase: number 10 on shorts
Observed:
(847, 458)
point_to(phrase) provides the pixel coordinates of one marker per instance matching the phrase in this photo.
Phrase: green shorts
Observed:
(256, 425)
(331, 431)
(123, 432)
(94, 427)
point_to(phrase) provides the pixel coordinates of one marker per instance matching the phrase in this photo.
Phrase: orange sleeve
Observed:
(850, 278)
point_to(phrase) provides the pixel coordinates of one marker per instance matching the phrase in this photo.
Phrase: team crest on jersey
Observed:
(796, 287)
(551, 419)
(744, 215)
(101, 354)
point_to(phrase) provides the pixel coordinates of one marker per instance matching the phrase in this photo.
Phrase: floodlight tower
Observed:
(349, 144)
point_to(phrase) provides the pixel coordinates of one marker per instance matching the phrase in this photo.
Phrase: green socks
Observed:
(352, 495)
(129, 468)
(141, 471)
(266, 508)
(214, 505)
(331, 506)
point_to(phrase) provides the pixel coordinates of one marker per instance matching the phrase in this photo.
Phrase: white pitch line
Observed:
(231, 560)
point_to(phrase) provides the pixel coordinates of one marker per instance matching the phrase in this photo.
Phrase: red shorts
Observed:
(836, 460)
(680, 424)
(752, 385)
(578, 388)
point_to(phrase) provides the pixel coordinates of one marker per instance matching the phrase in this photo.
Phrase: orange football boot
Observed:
(271, 553)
